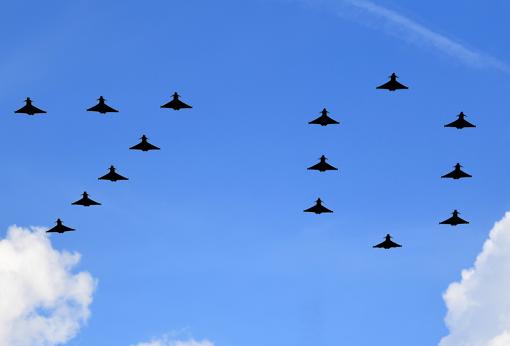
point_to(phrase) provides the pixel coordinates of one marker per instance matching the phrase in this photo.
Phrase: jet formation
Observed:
(322, 166)
(112, 175)
(457, 173)
(101, 107)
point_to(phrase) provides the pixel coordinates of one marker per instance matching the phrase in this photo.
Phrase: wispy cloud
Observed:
(408, 29)
(168, 341)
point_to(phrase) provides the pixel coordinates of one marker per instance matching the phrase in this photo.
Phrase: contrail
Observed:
(416, 32)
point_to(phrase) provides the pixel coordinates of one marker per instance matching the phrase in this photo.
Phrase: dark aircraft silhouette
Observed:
(457, 173)
(460, 123)
(144, 145)
(318, 208)
(454, 220)
(60, 228)
(324, 119)
(102, 107)
(29, 109)
(85, 201)
(322, 166)
(387, 243)
(112, 175)
(392, 85)
(176, 104)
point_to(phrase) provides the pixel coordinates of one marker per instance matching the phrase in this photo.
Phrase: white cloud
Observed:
(167, 341)
(415, 32)
(479, 305)
(42, 303)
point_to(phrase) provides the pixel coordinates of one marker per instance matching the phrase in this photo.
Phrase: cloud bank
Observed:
(42, 302)
(415, 32)
(166, 341)
(479, 305)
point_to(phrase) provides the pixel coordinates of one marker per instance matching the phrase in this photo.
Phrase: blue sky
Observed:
(208, 237)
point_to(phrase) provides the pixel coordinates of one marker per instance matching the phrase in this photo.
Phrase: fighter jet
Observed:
(60, 228)
(454, 220)
(324, 119)
(322, 166)
(392, 85)
(176, 104)
(29, 109)
(85, 200)
(318, 208)
(112, 175)
(144, 145)
(457, 173)
(387, 243)
(102, 107)
(460, 123)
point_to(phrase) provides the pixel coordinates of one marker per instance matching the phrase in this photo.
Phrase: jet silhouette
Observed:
(176, 104)
(392, 85)
(457, 173)
(29, 109)
(387, 243)
(454, 220)
(102, 107)
(144, 145)
(112, 175)
(322, 166)
(318, 208)
(85, 200)
(460, 123)
(324, 119)
(60, 228)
